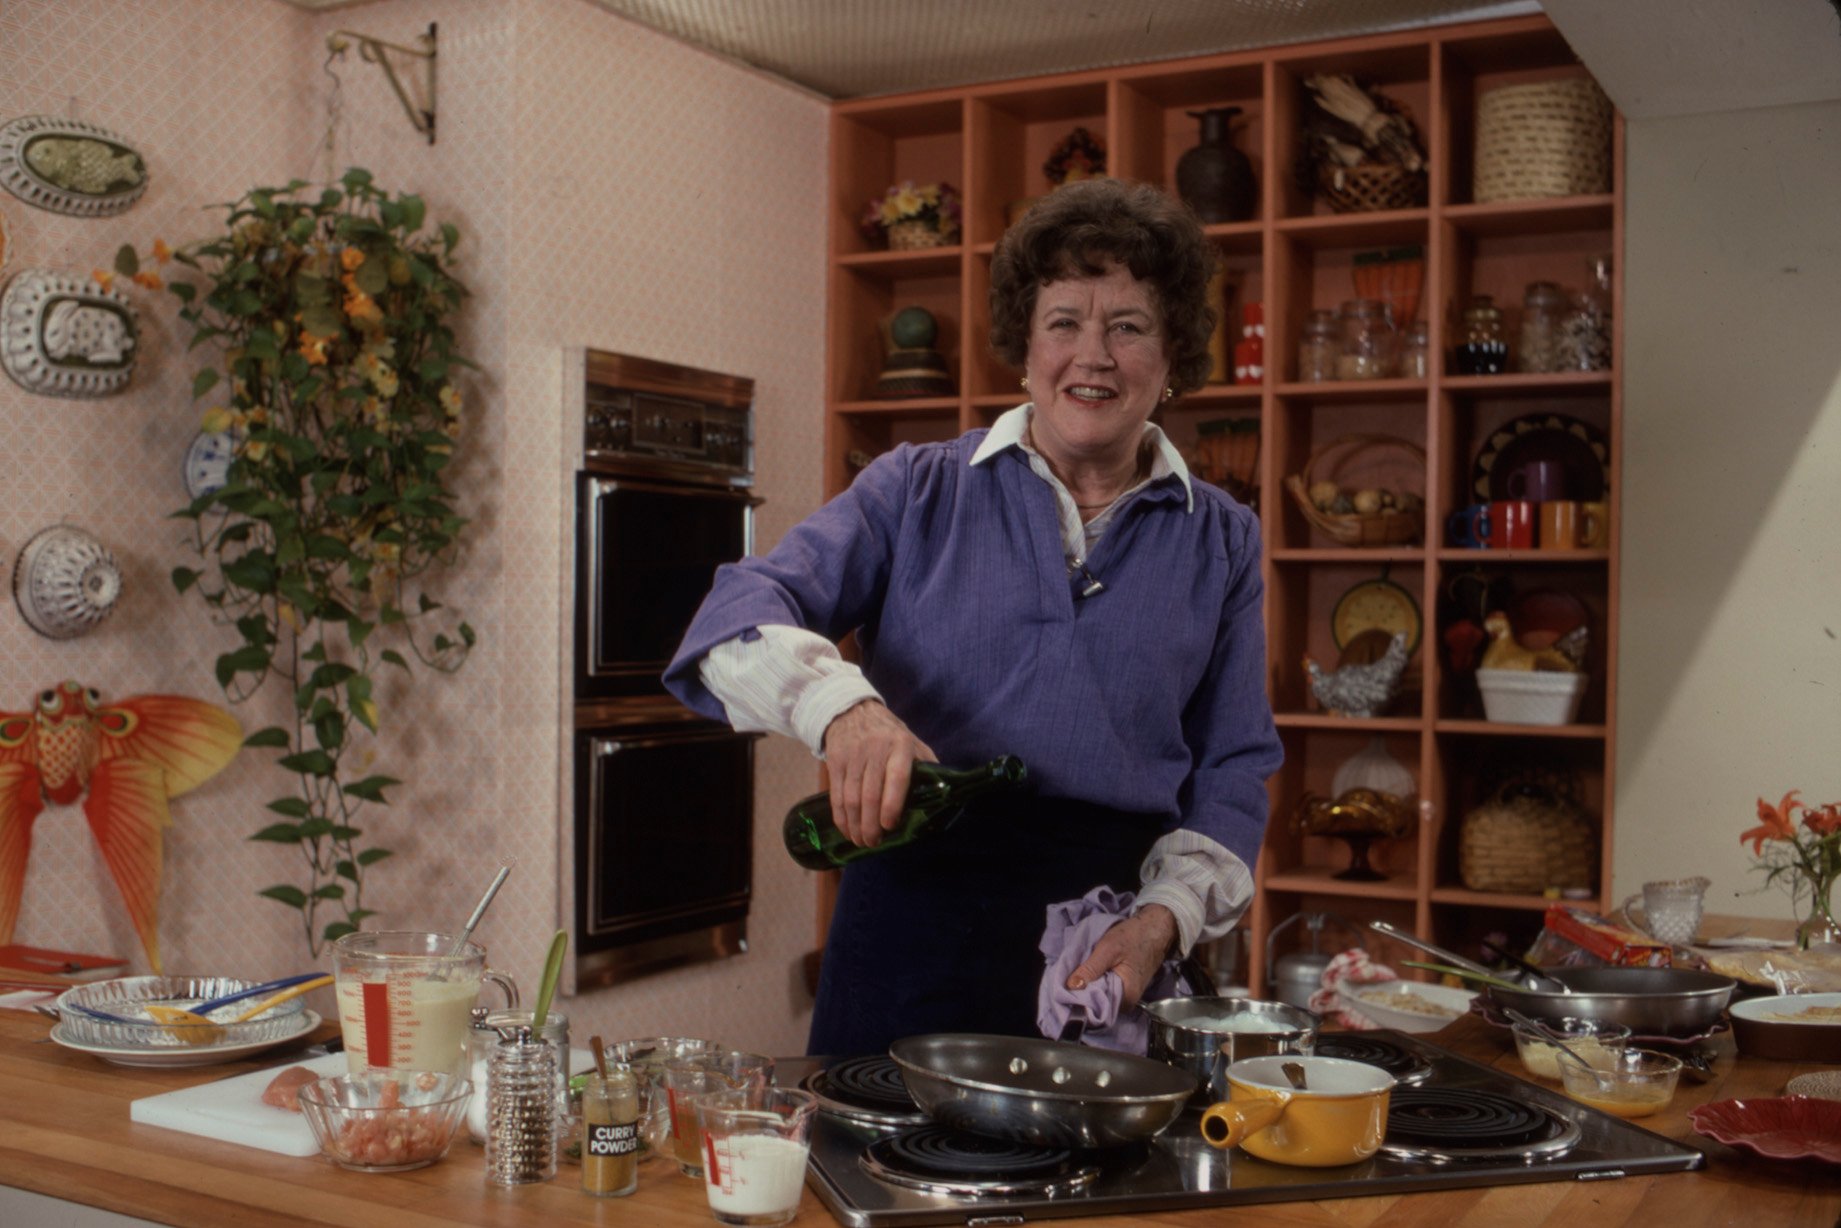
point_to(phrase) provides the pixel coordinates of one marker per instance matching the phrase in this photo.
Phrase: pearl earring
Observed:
(1025, 383)
(1168, 392)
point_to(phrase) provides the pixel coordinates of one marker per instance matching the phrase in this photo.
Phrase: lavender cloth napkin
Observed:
(1073, 927)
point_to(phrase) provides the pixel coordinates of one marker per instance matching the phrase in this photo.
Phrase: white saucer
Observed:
(187, 1055)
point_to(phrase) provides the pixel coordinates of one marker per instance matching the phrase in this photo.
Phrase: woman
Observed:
(1054, 587)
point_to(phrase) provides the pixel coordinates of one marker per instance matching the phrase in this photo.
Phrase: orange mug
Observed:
(1564, 525)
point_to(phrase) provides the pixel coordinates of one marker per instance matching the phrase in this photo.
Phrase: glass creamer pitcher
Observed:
(405, 1002)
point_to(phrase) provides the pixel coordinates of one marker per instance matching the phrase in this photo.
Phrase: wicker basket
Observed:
(913, 235)
(1388, 528)
(1365, 189)
(1526, 838)
(1552, 138)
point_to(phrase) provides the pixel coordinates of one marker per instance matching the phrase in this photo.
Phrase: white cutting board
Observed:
(232, 1111)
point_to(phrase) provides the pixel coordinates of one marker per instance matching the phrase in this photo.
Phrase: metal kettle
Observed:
(1297, 976)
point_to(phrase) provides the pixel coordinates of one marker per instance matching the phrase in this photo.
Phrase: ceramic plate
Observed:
(1781, 1127)
(1789, 1027)
(1579, 446)
(192, 1055)
(1442, 1004)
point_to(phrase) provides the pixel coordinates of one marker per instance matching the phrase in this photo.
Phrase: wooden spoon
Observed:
(195, 1029)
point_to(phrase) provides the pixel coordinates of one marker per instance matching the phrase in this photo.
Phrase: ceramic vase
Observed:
(1215, 179)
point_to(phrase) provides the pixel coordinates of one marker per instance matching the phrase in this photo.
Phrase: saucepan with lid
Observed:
(1046, 1092)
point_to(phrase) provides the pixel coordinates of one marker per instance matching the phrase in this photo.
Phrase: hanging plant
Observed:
(330, 312)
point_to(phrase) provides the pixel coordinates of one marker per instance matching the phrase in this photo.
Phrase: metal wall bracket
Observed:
(376, 51)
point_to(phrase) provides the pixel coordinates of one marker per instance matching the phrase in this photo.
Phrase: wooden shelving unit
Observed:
(1296, 255)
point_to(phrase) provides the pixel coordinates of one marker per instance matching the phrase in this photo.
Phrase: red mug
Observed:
(1510, 525)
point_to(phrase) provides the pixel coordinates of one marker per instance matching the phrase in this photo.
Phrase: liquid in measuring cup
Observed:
(407, 1023)
(405, 999)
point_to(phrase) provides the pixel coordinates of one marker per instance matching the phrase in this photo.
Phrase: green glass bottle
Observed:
(936, 796)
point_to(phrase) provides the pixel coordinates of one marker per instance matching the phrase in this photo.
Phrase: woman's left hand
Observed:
(1134, 948)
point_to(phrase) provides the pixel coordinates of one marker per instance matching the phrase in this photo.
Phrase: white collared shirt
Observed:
(794, 682)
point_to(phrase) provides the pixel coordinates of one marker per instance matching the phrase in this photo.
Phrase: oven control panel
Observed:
(626, 423)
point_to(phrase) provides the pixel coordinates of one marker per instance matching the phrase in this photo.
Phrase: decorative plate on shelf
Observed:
(1580, 447)
(1777, 1127)
(1376, 605)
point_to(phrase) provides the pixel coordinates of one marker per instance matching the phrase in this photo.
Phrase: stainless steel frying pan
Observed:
(1045, 1092)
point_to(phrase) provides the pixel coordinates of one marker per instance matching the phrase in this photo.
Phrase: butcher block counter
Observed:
(65, 1132)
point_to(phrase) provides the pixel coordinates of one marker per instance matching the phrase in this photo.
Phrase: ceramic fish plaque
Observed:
(69, 166)
(66, 336)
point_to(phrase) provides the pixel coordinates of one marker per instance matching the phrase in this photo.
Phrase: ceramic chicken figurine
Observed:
(1360, 690)
(130, 757)
(1506, 652)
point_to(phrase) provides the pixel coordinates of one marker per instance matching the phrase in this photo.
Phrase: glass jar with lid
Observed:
(1482, 345)
(1415, 352)
(1319, 346)
(1543, 310)
(1369, 344)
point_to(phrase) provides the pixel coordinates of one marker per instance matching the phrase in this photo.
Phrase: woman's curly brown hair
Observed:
(1074, 231)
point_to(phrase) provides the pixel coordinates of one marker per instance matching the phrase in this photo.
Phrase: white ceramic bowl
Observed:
(1408, 1006)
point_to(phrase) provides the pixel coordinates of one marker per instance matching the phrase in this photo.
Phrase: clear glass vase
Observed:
(1820, 927)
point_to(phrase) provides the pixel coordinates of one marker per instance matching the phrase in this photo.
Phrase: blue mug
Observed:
(1468, 527)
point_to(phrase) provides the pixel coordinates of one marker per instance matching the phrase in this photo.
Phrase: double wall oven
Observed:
(664, 799)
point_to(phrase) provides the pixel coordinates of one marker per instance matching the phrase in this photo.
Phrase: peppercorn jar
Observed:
(1369, 343)
(1415, 352)
(1319, 346)
(1543, 309)
(1482, 344)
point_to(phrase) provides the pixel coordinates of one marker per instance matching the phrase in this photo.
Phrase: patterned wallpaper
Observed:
(615, 189)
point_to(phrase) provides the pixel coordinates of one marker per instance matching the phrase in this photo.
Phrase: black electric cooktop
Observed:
(877, 1160)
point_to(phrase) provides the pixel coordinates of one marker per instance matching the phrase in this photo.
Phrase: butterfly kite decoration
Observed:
(129, 757)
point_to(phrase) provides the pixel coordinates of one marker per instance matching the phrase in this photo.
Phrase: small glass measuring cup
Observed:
(405, 1003)
(756, 1140)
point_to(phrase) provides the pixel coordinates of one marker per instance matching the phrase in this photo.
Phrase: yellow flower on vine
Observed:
(256, 449)
(362, 308)
(289, 615)
(385, 383)
(313, 348)
(449, 397)
(217, 420)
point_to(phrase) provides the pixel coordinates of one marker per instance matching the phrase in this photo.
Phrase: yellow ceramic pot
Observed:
(1339, 1117)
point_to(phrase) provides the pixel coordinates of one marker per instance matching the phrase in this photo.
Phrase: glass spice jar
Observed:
(610, 1133)
(1369, 343)
(1543, 309)
(1482, 346)
(1585, 334)
(1319, 346)
(1415, 352)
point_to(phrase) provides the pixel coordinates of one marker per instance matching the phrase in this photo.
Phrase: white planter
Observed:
(1530, 697)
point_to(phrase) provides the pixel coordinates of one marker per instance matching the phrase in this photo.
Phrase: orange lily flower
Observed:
(149, 279)
(1825, 821)
(1775, 823)
(161, 252)
(103, 278)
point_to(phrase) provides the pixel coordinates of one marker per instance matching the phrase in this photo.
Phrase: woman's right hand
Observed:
(870, 754)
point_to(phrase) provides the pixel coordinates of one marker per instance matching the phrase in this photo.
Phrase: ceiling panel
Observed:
(854, 48)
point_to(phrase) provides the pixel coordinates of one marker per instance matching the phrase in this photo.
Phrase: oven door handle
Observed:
(599, 486)
(612, 746)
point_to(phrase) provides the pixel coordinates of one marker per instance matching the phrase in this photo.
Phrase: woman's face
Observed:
(1096, 367)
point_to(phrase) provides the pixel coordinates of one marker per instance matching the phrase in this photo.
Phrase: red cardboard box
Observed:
(1610, 942)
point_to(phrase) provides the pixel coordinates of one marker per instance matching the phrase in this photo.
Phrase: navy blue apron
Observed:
(942, 936)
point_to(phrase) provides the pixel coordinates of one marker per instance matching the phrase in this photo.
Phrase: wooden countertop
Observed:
(64, 1132)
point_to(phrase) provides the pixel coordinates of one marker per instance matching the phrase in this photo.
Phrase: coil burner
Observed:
(865, 1089)
(1444, 1124)
(1405, 1066)
(941, 1161)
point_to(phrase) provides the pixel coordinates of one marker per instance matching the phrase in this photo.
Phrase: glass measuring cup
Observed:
(405, 1003)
